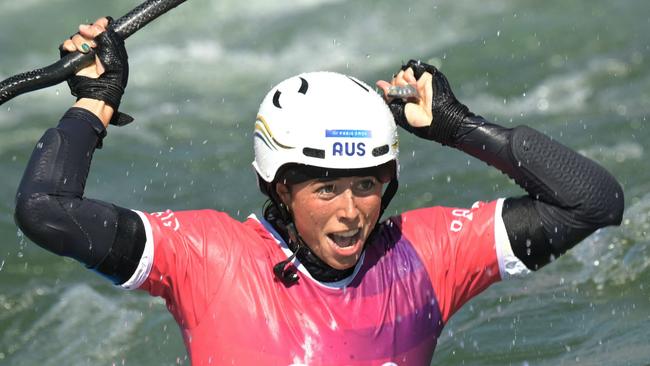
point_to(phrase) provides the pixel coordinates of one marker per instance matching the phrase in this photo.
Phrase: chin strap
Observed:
(285, 272)
(388, 195)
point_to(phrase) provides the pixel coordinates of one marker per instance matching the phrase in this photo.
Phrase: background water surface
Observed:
(576, 70)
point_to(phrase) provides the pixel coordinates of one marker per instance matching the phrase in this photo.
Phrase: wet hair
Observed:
(297, 173)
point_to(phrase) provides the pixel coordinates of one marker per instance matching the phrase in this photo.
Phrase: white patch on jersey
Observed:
(510, 267)
(146, 261)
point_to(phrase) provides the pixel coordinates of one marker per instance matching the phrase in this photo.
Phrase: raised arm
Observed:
(569, 196)
(50, 207)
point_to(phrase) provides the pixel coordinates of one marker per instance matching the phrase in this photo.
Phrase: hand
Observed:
(105, 80)
(417, 111)
(436, 114)
(83, 42)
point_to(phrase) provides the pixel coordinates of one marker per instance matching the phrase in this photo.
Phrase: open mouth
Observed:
(345, 239)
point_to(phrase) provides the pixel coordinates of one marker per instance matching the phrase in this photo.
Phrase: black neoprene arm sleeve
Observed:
(51, 209)
(569, 196)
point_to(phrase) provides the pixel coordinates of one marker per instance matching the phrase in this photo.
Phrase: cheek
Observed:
(371, 207)
(308, 217)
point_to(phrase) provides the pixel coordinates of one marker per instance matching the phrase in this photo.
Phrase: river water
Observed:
(578, 71)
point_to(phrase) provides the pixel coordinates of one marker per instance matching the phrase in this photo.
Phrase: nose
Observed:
(347, 209)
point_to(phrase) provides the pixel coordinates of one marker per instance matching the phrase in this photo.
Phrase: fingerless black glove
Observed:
(110, 86)
(569, 196)
(448, 112)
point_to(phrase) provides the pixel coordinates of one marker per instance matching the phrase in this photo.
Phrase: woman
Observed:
(320, 279)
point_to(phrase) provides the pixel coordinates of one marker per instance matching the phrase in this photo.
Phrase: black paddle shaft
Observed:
(75, 61)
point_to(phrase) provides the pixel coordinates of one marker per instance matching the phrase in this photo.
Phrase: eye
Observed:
(366, 185)
(326, 189)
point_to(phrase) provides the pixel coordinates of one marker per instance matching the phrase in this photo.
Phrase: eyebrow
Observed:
(330, 179)
(326, 179)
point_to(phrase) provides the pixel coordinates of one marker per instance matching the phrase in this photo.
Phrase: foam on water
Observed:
(80, 318)
(197, 77)
(268, 8)
(556, 94)
(620, 153)
(618, 256)
(9, 7)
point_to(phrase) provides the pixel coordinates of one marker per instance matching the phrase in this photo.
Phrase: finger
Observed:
(425, 89)
(398, 80)
(102, 22)
(399, 76)
(424, 81)
(409, 76)
(68, 45)
(90, 31)
(383, 85)
(82, 44)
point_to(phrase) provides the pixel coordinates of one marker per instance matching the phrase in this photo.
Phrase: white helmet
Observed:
(324, 120)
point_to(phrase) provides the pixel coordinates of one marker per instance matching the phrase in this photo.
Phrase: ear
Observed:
(284, 193)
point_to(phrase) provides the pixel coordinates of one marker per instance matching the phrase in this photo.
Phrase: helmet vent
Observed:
(379, 151)
(304, 85)
(358, 83)
(276, 99)
(314, 153)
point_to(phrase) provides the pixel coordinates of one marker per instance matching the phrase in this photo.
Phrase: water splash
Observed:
(618, 255)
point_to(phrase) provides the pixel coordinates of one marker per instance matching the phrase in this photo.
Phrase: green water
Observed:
(576, 70)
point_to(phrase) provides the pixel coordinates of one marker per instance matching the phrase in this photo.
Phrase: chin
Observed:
(341, 266)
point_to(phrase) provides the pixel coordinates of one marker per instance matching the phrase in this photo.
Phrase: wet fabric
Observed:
(215, 274)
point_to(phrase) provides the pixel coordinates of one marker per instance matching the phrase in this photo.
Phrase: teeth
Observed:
(344, 239)
(347, 234)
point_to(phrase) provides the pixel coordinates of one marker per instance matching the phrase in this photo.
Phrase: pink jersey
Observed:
(216, 276)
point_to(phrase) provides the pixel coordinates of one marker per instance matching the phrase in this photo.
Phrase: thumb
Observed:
(398, 109)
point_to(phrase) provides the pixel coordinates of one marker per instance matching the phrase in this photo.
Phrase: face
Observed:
(334, 217)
